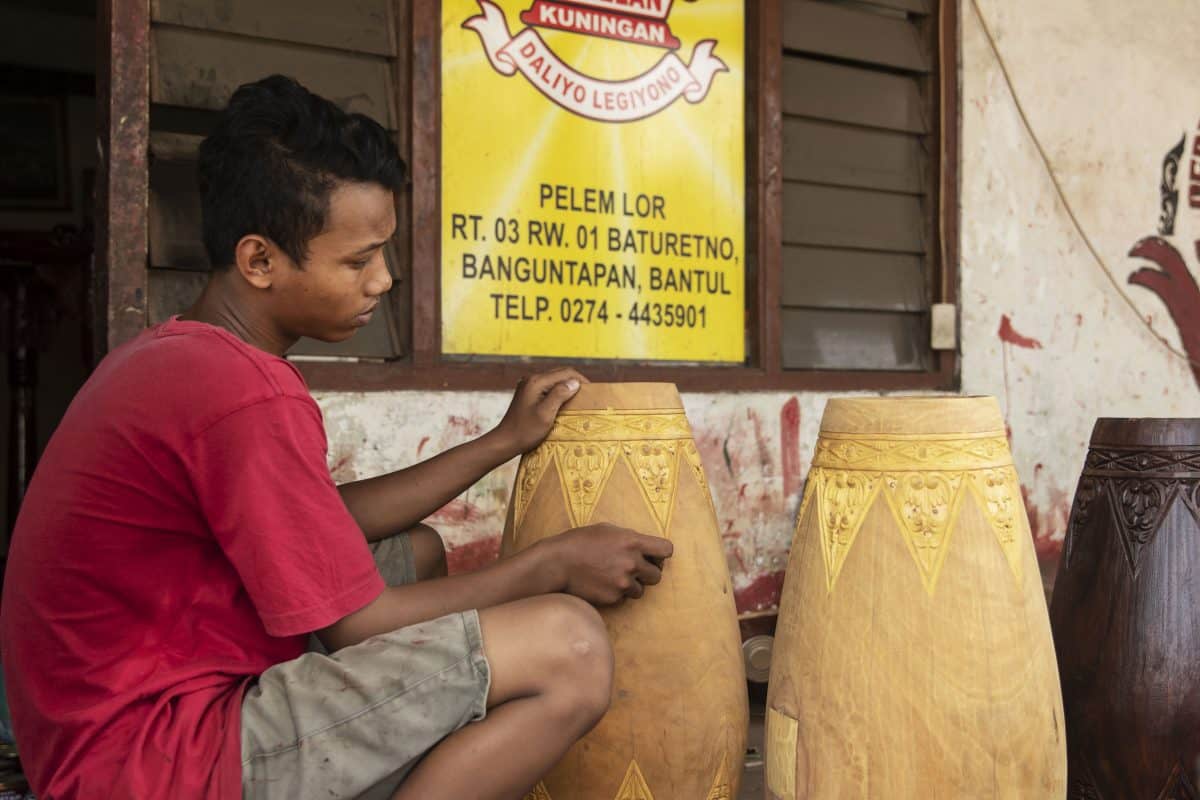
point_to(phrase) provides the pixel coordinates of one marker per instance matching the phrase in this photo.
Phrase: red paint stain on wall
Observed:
(472, 555)
(762, 594)
(1008, 334)
(789, 438)
(458, 510)
(464, 426)
(421, 446)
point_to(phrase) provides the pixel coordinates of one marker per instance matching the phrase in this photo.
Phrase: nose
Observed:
(380, 279)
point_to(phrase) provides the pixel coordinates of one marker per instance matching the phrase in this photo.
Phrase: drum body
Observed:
(913, 655)
(676, 730)
(1126, 613)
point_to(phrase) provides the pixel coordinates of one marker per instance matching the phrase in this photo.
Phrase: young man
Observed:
(182, 535)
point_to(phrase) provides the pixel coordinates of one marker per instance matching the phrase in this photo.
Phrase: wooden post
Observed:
(123, 131)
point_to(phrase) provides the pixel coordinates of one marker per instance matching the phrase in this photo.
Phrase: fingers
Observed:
(557, 397)
(648, 574)
(654, 547)
(540, 384)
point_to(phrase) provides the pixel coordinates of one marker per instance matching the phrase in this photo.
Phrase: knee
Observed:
(429, 552)
(580, 656)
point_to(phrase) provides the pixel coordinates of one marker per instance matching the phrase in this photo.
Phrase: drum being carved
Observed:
(913, 656)
(1126, 614)
(676, 730)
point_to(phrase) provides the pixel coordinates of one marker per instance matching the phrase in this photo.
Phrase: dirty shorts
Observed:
(353, 724)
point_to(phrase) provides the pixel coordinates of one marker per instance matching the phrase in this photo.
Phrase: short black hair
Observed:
(276, 154)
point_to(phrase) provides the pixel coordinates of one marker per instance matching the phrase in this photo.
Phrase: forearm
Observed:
(391, 503)
(529, 573)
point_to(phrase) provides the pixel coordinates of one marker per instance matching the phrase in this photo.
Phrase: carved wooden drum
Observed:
(1126, 613)
(676, 730)
(913, 656)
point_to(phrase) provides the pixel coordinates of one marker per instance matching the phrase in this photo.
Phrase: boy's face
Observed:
(345, 275)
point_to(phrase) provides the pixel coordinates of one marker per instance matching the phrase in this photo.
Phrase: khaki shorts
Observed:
(355, 723)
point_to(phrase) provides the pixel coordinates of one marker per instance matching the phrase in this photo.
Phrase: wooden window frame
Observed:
(122, 236)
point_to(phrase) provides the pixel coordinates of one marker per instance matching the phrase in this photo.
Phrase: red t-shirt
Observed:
(180, 535)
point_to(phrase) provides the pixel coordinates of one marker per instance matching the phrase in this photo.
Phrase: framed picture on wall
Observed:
(34, 174)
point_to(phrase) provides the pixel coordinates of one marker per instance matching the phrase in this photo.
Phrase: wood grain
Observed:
(860, 96)
(854, 34)
(845, 155)
(679, 708)
(1126, 614)
(363, 26)
(201, 69)
(903, 687)
(825, 277)
(867, 220)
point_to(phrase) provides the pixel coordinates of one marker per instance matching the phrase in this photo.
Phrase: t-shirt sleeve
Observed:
(262, 483)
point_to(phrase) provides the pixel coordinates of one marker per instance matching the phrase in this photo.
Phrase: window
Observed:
(851, 181)
(860, 188)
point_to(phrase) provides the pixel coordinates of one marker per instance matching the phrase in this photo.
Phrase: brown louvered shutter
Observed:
(200, 52)
(860, 183)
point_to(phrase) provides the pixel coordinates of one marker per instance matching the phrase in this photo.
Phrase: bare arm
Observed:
(602, 564)
(391, 503)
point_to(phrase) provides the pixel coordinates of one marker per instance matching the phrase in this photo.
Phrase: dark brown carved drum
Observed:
(1126, 614)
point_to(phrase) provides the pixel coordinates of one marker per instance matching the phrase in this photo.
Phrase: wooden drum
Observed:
(676, 730)
(1126, 614)
(913, 655)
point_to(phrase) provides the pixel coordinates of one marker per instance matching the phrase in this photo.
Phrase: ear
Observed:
(255, 258)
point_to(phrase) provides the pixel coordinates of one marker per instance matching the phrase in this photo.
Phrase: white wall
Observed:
(1108, 86)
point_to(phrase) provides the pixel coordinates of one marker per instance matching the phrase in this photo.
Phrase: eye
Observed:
(360, 264)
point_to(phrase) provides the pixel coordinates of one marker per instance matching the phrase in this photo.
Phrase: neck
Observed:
(222, 304)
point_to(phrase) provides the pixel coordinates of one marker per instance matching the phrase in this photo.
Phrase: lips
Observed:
(365, 315)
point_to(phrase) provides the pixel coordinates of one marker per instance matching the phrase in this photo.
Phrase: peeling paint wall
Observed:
(1105, 90)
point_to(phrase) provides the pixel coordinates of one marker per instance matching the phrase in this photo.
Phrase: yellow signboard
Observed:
(593, 184)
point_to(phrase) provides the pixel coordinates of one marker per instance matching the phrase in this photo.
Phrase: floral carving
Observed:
(539, 793)
(692, 455)
(656, 467)
(924, 504)
(584, 468)
(533, 466)
(998, 491)
(1140, 505)
(1086, 494)
(845, 497)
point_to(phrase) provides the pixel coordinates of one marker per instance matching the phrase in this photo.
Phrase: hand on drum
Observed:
(604, 564)
(534, 407)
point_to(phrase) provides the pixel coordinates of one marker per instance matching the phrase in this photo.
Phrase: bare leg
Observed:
(551, 665)
(429, 553)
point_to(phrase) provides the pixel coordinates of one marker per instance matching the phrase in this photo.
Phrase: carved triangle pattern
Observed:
(634, 786)
(655, 464)
(925, 504)
(720, 789)
(539, 793)
(692, 455)
(584, 469)
(533, 467)
(1191, 495)
(844, 497)
(1179, 786)
(1088, 494)
(1139, 506)
(998, 492)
